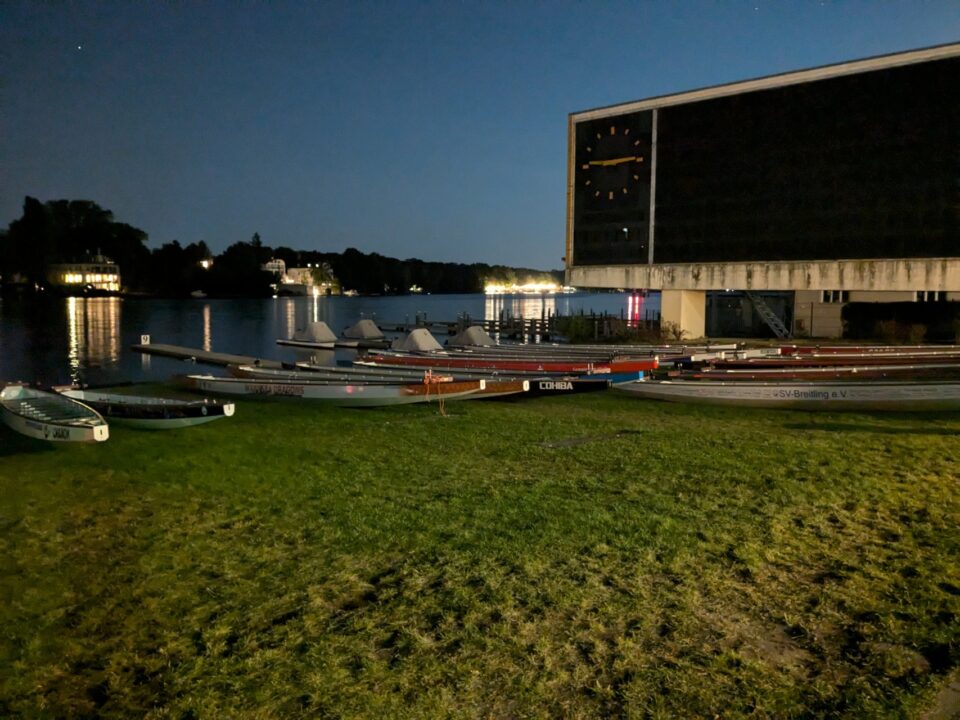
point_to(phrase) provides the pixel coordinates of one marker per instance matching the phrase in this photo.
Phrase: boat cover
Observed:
(364, 330)
(474, 336)
(318, 332)
(419, 340)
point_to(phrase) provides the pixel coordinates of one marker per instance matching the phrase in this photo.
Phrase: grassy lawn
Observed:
(593, 556)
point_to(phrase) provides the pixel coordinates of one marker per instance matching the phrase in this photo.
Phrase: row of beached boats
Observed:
(847, 377)
(868, 378)
(419, 369)
(838, 377)
(472, 366)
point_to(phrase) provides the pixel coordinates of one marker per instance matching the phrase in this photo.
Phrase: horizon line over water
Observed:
(88, 340)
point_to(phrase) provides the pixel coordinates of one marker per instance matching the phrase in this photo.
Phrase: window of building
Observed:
(834, 296)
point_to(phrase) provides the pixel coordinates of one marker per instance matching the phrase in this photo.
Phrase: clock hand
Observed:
(616, 161)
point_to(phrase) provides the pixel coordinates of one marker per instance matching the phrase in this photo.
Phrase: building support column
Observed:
(686, 310)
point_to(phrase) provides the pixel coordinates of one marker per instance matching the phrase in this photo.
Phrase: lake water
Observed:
(60, 340)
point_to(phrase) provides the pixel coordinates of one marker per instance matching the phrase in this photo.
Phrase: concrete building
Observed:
(837, 184)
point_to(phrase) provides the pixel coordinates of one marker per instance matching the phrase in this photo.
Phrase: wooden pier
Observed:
(204, 357)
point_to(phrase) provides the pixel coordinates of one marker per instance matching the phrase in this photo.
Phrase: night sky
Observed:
(430, 130)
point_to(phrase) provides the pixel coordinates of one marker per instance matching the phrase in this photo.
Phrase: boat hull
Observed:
(500, 388)
(46, 416)
(855, 396)
(453, 361)
(151, 413)
(340, 394)
(548, 387)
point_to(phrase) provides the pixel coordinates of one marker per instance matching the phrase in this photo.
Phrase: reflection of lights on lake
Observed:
(73, 334)
(207, 329)
(528, 307)
(93, 333)
(291, 313)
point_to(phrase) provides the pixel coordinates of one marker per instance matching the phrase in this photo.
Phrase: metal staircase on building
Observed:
(772, 320)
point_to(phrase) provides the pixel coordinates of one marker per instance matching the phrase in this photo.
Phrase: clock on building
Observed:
(612, 163)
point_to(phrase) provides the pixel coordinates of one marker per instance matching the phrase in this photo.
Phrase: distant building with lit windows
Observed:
(317, 279)
(276, 266)
(99, 275)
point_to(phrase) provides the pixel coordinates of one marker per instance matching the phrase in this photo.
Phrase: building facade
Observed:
(100, 275)
(840, 179)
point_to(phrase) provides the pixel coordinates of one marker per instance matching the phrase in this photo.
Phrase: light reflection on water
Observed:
(207, 329)
(58, 340)
(290, 317)
(93, 332)
(527, 307)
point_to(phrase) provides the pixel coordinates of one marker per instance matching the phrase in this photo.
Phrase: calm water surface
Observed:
(59, 340)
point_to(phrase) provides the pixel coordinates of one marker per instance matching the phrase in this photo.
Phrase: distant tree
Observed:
(30, 244)
(176, 270)
(289, 256)
(197, 252)
(169, 267)
(238, 272)
(77, 230)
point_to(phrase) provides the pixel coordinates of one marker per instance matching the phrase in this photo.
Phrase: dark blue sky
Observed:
(431, 130)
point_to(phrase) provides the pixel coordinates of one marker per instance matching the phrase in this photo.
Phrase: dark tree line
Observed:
(78, 230)
(372, 273)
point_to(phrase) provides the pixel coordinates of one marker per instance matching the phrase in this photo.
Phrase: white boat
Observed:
(865, 395)
(366, 376)
(337, 393)
(150, 413)
(48, 416)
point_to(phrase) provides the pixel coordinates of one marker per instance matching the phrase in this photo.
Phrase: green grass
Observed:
(593, 556)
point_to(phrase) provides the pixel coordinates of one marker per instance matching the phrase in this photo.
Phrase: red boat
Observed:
(532, 365)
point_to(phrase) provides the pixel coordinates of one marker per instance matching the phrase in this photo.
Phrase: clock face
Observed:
(612, 163)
